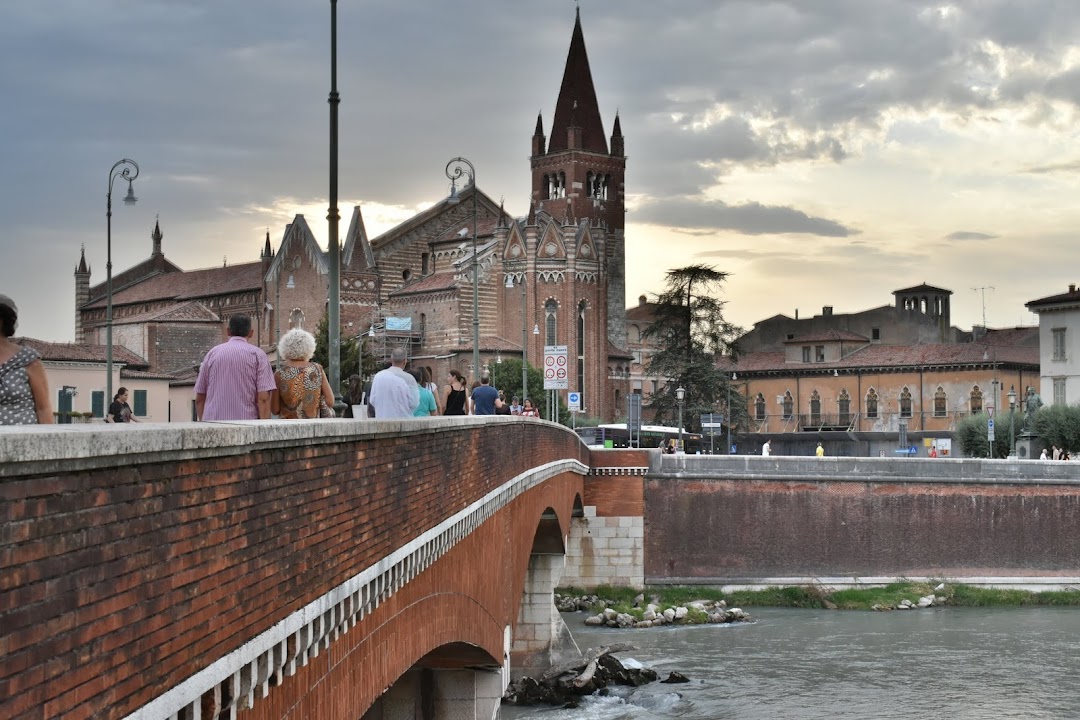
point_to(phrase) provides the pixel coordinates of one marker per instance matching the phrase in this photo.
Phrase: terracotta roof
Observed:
(485, 227)
(145, 375)
(829, 335)
(1072, 296)
(1026, 335)
(614, 351)
(191, 284)
(428, 283)
(898, 356)
(642, 313)
(72, 352)
(190, 311)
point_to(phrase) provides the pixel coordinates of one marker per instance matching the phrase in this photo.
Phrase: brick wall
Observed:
(132, 560)
(724, 520)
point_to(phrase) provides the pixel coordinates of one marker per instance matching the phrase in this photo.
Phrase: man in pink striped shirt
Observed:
(235, 379)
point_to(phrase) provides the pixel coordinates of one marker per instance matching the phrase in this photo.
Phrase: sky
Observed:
(822, 152)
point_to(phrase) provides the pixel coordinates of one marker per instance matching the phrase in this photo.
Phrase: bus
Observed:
(616, 435)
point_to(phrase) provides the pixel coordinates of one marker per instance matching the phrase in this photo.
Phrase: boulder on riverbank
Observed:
(564, 685)
(698, 612)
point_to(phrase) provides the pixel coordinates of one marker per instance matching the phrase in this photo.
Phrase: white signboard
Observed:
(555, 370)
(573, 401)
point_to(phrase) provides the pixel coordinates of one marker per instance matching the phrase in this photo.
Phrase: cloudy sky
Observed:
(824, 152)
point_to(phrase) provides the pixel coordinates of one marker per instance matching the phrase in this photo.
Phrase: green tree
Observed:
(352, 350)
(1058, 425)
(971, 433)
(506, 376)
(691, 337)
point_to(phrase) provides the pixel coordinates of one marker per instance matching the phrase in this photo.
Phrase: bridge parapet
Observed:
(163, 571)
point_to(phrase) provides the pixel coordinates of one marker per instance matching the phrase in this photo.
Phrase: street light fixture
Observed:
(454, 170)
(524, 336)
(121, 169)
(734, 376)
(1012, 423)
(680, 395)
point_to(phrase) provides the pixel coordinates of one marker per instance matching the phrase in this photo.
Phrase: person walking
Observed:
(820, 452)
(456, 401)
(766, 449)
(484, 397)
(427, 406)
(1042, 455)
(302, 385)
(235, 378)
(24, 387)
(394, 392)
(119, 410)
(528, 410)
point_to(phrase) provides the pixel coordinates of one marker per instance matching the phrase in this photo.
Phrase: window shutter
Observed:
(97, 403)
(140, 403)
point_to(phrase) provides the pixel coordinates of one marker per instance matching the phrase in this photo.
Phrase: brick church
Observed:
(555, 276)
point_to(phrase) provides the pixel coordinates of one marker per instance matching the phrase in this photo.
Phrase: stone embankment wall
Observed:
(754, 520)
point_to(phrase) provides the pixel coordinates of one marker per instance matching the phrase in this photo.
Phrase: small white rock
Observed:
(669, 614)
(680, 612)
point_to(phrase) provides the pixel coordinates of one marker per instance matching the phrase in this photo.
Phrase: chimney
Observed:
(1072, 287)
(826, 310)
(642, 300)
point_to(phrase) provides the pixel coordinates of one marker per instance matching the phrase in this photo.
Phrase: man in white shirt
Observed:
(766, 449)
(394, 392)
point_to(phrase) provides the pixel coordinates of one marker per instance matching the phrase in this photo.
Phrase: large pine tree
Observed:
(691, 338)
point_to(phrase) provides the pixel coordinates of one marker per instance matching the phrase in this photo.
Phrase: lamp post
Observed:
(454, 170)
(333, 312)
(121, 169)
(734, 376)
(524, 335)
(1012, 424)
(680, 395)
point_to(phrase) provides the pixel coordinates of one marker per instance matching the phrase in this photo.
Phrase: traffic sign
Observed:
(990, 429)
(573, 401)
(555, 368)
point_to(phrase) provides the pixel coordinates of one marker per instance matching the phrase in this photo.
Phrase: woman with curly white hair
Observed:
(302, 385)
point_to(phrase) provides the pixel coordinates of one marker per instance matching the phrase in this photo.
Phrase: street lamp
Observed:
(333, 312)
(680, 395)
(122, 169)
(734, 376)
(1012, 425)
(524, 336)
(454, 170)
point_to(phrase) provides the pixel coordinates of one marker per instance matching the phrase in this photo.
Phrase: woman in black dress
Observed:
(456, 401)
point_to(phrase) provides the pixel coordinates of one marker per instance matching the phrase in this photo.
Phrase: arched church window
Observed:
(905, 403)
(789, 406)
(976, 400)
(551, 310)
(843, 406)
(815, 408)
(940, 402)
(759, 407)
(296, 319)
(581, 346)
(871, 403)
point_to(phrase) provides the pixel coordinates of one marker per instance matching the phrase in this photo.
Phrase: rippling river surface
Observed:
(954, 663)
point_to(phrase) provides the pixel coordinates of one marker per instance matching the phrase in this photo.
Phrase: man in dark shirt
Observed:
(483, 397)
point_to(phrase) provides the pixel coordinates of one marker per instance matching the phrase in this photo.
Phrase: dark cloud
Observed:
(748, 219)
(962, 235)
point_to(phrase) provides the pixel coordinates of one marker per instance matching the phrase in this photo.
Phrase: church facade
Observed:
(552, 276)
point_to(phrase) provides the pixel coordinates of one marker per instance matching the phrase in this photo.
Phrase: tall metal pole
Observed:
(125, 173)
(524, 340)
(332, 217)
(727, 451)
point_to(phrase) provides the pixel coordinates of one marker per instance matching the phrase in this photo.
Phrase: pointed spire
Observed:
(156, 236)
(577, 93)
(618, 149)
(539, 124)
(267, 251)
(82, 268)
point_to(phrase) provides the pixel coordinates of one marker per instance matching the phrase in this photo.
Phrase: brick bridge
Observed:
(401, 570)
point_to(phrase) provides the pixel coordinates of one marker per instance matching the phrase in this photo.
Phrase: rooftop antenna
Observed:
(982, 290)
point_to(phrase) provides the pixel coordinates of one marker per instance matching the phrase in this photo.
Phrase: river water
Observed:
(955, 663)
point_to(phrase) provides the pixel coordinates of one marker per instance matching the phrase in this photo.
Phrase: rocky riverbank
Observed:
(564, 685)
(639, 614)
